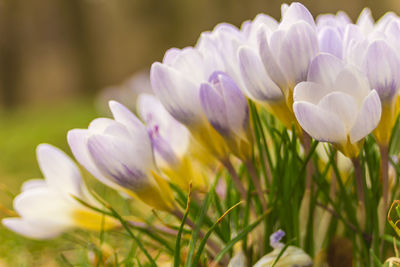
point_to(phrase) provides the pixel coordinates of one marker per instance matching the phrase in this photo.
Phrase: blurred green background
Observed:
(56, 55)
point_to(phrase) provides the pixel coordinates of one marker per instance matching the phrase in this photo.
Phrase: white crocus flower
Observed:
(336, 104)
(119, 154)
(47, 207)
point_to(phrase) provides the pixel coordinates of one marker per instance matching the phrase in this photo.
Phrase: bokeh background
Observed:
(57, 55)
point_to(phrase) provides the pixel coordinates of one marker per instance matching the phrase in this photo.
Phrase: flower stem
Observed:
(360, 190)
(238, 183)
(384, 151)
(256, 181)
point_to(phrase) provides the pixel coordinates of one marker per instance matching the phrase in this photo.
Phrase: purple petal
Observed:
(294, 13)
(214, 108)
(237, 109)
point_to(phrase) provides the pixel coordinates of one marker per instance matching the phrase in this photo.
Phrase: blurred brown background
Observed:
(51, 50)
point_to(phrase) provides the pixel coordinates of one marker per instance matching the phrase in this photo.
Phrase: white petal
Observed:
(310, 92)
(343, 106)
(189, 62)
(382, 67)
(257, 81)
(320, 124)
(368, 117)
(170, 56)
(324, 69)
(99, 125)
(33, 230)
(352, 82)
(59, 170)
(33, 183)
(45, 205)
(299, 47)
(178, 94)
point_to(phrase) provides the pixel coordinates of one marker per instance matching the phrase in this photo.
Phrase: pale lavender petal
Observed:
(189, 62)
(268, 59)
(59, 170)
(237, 109)
(214, 108)
(324, 69)
(299, 47)
(368, 117)
(318, 123)
(257, 81)
(294, 13)
(122, 162)
(365, 21)
(330, 42)
(178, 94)
(343, 106)
(310, 92)
(382, 67)
(99, 125)
(77, 140)
(170, 56)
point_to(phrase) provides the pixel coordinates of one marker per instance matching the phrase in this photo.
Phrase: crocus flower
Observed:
(119, 154)
(171, 142)
(279, 60)
(227, 110)
(47, 207)
(287, 51)
(336, 104)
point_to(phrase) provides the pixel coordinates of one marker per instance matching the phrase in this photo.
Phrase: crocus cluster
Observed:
(328, 78)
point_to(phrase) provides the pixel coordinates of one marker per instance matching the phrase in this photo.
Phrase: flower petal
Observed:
(343, 106)
(45, 205)
(178, 94)
(59, 170)
(368, 117)
(330, 42)
(299, 47)
(352, 82)
(324, 69)
(155, 116)
(237, 109)
(214, 108)
(32, 229)
(77, 140)
(122, 162)
(320, 124)
(310, 92)
(294, 13)
(257, 81)
(382, 67)
(267, 55)
(33, 183)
